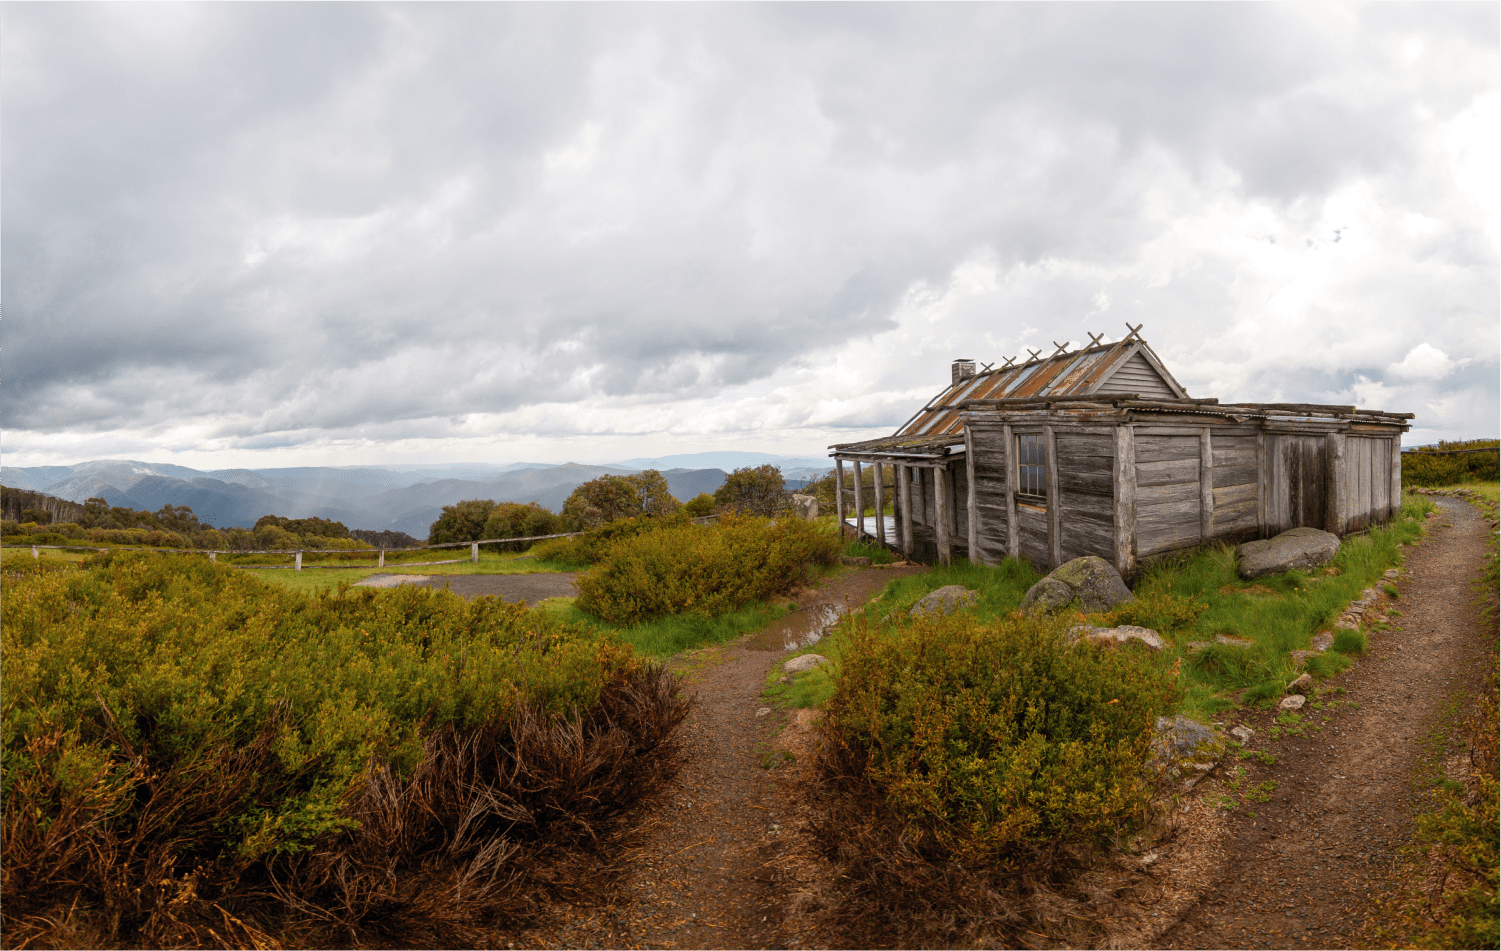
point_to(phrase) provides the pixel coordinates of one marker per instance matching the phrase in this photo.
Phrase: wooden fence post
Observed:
(299, 562)
(35, 554)
(381, 561)
(474, 553)
(880, 476)
(213, 557)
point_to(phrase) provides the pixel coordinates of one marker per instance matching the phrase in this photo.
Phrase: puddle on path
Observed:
(798, 629)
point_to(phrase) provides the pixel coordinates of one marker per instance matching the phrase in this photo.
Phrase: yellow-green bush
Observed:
(704, 570)
(164, 714)
(1447, 464)
(988, 742)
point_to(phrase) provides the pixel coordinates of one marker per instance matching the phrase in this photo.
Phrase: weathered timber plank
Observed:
(1225, 441)
(904, 477)
(941, 515)
(1261, 480)
(1232, 458)
(879, 474)
(1394, 487)
(1073, 445)
(1167, 473)
(839, 491)
(1072, 504)
(1165, 448)
(859, 503)
(1235, 475)
(1165, 494)
(1096, 479)
(1234, 495)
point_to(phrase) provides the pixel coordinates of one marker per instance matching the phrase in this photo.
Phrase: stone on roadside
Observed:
(764, 711)
(1242, 734)
(1322, 641)
(945, 600)
(1392, 573)
(1300, 658)
(1295, 548)
(854, 561)
(1184, 749)
(1293, 702)
(804, 662)
(1118, 635)
(805, 507)
(1302, 685)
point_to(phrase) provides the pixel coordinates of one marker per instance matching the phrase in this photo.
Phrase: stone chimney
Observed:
(964, 368)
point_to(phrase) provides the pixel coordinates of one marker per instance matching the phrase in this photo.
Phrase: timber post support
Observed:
(859, 504)
(880, 477)
(381, 561)
(299, 562)
(1262, 475)
(1206, 486)
(1125, 500)
(1055, 502)
(1013, 530)
(1396, 489)
(904, 491)
(474, 553)
(839, 496)
(972, 504)
(941, 502)
(1334, 483)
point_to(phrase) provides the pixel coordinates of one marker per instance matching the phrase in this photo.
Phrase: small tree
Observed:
(612, 497)
(757, 490)
(515, 520)
(461, 522)
(700, 505)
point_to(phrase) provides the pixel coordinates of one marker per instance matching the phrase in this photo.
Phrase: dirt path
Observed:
(1304, 870)
(696, 872)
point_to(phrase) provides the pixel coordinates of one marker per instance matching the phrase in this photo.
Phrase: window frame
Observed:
(1031, 468)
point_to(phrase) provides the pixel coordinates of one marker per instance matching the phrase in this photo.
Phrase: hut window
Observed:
(1032, 468)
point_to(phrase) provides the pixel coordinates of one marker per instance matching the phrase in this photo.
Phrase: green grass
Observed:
(666, 636)
(877, 553)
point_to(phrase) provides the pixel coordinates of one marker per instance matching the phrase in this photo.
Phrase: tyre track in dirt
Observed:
(1307, 870)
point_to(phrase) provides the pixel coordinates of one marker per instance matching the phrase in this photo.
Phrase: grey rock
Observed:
(945, 600)
(854, 561)
(1302, 685)
(1300, 658)
(764, 711)
(804, 662)
(1293, 702)
(1184, 750)
(1047, 596)
(1392, 573)
(1118, 635)
(1095, 582)
(1322, 641)
(805, 507)
(1243, 734)
(1295, 548)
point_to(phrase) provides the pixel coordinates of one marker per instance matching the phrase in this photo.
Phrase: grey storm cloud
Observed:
(292, 218)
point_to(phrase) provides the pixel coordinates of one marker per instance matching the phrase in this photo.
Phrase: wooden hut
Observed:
(1100, 451)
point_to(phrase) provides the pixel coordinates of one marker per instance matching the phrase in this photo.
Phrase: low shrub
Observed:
(704, 570)
(1159, 610)
(996, 741)
(187, 748)
(1447, 463)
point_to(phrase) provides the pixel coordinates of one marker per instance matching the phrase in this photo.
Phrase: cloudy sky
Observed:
(286, 234)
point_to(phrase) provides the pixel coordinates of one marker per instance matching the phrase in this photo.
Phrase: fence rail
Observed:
(299, 552)
(1447, 452)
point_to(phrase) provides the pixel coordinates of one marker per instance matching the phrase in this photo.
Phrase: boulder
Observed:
(1118, 635)
(804, 662)
(1047, 596)
(945, 600)
(1295, 548)
(1183, 749)
(1292, 702)
(1095, 582)
(805, 507)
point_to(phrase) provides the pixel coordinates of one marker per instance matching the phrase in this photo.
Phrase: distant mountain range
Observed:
(400, 498)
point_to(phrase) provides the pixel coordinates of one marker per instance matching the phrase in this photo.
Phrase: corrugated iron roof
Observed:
(1062, 374)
